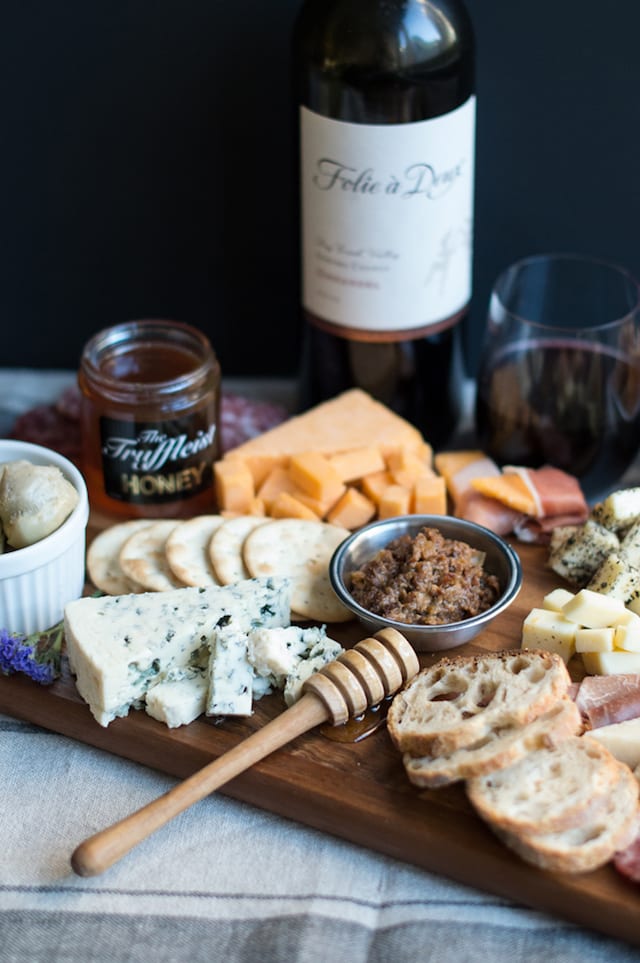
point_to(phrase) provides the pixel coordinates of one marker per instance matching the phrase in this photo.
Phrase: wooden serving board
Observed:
(357, 791)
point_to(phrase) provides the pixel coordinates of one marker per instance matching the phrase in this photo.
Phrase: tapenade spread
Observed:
(425, 579)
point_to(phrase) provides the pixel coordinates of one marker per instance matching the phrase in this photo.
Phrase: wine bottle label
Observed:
(387, 221)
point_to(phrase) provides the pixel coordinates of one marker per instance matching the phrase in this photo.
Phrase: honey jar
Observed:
(149, 416)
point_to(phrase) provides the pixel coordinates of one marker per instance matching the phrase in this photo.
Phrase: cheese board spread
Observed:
(205, 691)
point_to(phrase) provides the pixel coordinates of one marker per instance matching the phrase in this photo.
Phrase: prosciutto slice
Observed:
(559, 499)
(607, 699)
(486, 511)
(476, 507)
(627, 861)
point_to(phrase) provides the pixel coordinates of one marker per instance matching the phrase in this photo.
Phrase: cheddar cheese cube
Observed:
(375, 485)
(429, 496)
(314, 474)
(233, 484)
(352, 510)
(277, 481)
(352, 465)
(395, 500)
(288, 506)
(406, 467)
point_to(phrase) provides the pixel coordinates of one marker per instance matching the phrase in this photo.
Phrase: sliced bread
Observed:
(551, 789)
(460, 700)
(500, 748)
(590, 845)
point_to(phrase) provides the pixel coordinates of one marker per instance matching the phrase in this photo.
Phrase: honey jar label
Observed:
(153, 462)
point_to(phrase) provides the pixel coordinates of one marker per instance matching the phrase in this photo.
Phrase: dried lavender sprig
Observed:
(37, 655)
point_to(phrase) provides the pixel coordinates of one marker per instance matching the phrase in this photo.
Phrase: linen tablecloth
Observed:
(224, 881)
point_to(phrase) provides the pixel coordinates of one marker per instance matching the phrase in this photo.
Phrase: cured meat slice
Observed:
(627, 861)
(242, 419)
(48, 426)
(607, 699)
(57, 425)
(486, 511)
(557, 492)
(474, 506)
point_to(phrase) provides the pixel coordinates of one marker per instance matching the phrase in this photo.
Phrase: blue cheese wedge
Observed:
(179, 699)
(120, 646)
(320, 654)
(230, 690)
(275, 652)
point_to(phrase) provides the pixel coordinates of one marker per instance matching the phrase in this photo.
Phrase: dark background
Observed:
(147, 165)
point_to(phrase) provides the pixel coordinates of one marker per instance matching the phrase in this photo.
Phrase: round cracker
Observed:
(301, 550)
(187, 552)
(103, 565)
(143, 559)
(225, 547)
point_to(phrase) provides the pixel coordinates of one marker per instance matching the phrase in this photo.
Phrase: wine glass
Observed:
(559, 375)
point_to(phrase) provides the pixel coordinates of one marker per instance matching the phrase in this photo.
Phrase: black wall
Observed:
(147, 166)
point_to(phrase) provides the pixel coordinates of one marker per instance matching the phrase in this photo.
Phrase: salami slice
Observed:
(57, 425)
(244, 418)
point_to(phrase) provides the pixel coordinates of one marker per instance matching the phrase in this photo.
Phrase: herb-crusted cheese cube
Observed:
(230, 675)
(120, 646)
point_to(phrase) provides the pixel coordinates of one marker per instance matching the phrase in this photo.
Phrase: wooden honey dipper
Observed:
(357, 680)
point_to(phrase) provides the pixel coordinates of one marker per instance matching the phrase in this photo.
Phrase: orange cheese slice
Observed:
(346, 422)
(510, 490)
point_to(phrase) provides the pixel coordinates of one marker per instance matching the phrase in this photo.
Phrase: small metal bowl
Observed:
(500, 560)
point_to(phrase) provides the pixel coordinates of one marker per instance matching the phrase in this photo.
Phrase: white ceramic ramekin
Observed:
(36, 582)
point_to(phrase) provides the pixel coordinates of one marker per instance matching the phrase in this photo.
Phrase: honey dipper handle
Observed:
(105, 848)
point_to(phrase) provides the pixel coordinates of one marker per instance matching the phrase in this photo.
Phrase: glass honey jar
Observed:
(149, 416)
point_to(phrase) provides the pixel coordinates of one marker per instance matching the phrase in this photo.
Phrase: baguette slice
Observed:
(500, 748)
(460, 700)
(590, 845)
(549, 790)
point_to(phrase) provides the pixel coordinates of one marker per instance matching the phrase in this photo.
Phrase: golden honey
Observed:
(149, 416)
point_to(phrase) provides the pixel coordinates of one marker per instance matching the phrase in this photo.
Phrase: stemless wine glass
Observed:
(559, 377)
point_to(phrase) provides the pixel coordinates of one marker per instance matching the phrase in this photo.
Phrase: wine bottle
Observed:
(386, 104)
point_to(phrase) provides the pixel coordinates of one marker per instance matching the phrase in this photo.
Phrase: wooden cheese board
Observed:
(355, 790)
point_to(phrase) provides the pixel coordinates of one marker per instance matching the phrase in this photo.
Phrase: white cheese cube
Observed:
(622, 739)
(556, 599)
(595, 640)
(627, 636)
(593, 610)
(179, 700)
(611, 663)
(549, 630)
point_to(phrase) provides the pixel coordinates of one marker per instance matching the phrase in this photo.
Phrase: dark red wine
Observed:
(574, 405)
(385, 91)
